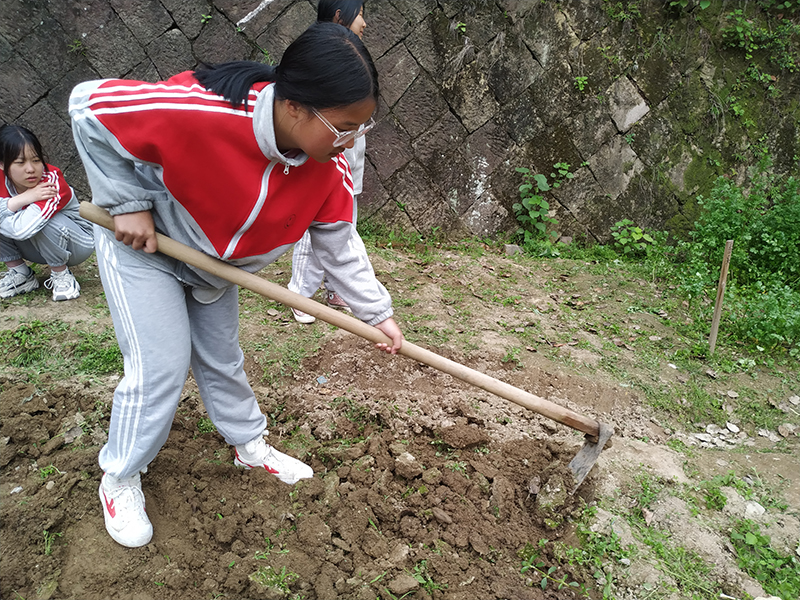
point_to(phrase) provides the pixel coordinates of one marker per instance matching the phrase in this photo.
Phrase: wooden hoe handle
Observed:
(280, 294)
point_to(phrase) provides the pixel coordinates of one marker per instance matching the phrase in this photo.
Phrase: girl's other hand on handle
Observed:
(392, 330)
(136, 230)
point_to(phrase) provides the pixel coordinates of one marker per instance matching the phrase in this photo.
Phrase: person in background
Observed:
(238, 161)
(307, 272)
(39, 219)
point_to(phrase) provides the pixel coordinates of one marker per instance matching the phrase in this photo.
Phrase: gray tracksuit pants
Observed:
(61, 242)
(162, 330)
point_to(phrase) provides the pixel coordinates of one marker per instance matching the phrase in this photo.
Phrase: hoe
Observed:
(596, 433)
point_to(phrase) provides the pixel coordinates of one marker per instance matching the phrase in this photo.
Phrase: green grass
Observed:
(59, 348)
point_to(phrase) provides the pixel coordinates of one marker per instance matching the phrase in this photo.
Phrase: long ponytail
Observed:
(328, 66)
(233, 80)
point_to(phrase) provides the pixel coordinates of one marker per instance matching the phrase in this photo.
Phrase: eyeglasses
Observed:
(344, 137)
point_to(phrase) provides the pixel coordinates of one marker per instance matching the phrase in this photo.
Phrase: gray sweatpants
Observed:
(162, 330)
(61, 242)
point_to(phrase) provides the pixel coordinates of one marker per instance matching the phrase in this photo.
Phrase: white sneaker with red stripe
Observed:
(258, 454)
(123, 508)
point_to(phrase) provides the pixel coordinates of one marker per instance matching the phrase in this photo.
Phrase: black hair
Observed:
(348, 11)
(328, 66)
(13, 139)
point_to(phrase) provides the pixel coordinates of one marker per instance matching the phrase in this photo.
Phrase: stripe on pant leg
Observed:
(133, 403)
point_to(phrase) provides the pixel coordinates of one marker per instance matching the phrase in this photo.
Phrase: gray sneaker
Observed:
(14, 283)
(64, 285)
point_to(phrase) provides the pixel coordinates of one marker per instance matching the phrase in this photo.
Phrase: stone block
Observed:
(386, 26)
(592, 127)
(614, 165)
(486, 216)
(578, 193)
(47, 49)
(107, 43)
(478, 20)
(626, 104)
(656, 136)
(397, 69)
(690, 104)
(547, 34)
(58, 97)
(413, 10)
(188, 15)
(512, 68)
(171, 53)
(391, 216)
(52, 129)
(147, 19)
(552, 146)
(455, 182)
(439, 142)
(144, 71)
(219, 42)
(470, 97)
(373, 195)
(285, 29)
(586, 18)
(520, 119)
(552, 93)
(594, 58)
(5, 50)
(487, 147)
(389, 147)
(420, 107)
(19, 17)
(415, 193)
(20, 86)
(434, 46)
(254, 17)
(656, 77)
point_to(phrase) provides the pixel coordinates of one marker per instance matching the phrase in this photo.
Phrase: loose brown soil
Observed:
(416, 473)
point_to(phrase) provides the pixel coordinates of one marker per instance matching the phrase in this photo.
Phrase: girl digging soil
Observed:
(237, 161)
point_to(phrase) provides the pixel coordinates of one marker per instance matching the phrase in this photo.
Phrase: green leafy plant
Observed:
(630, 239)
(685, 4)
(205, 425)
(754, 35)
(762, 217)
(205, 18)
(423, 577)
(622, 10)
(49, 539)
(533, 562)
(513, 356)
(580, 83)
(779, 574)
(533, 211)
(77, 47)
(45, 472)
(268, 576)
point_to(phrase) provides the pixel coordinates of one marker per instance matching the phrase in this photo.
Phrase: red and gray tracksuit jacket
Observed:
(215, 180)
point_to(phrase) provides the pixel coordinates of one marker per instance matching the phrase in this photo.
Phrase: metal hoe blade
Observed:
(586, 457)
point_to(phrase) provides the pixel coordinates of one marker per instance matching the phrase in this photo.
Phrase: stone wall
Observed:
(637, 104)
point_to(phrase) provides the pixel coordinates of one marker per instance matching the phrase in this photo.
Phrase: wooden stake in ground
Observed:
(723, 278)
